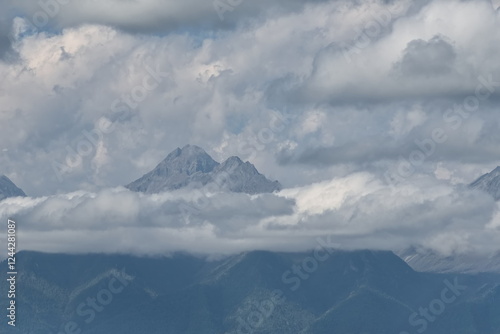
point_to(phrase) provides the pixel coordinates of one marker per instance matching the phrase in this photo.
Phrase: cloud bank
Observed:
(355, 212)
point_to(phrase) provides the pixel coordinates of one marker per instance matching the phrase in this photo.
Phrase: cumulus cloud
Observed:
(311, 92)
(428, 58)
(222, 89)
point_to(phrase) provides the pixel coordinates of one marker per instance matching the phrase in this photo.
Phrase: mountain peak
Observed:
(9, 189)
(192, 150)
(188, 160)
(186, 151)
(192, 167)
(489, 182)
(244, 177)
(233, 161)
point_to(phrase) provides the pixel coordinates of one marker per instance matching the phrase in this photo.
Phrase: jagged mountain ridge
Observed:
(9, 189)
(489, 182)
(192, 167)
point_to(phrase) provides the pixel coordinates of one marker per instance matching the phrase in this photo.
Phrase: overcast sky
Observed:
(372, 114)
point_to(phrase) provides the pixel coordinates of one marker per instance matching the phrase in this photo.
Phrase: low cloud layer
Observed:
(356, 212)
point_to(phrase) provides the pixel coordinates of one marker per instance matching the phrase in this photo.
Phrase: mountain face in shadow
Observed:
(192, 167)
(318, 292)
(9, 189)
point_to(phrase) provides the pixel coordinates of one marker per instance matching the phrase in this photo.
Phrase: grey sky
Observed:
(309, 91)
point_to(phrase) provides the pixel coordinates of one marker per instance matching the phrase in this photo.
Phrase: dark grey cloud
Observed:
(6, 51)
(141, 16)
(428, 58)
(5, 46)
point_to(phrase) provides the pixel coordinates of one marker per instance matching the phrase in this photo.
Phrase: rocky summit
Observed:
(192, 167)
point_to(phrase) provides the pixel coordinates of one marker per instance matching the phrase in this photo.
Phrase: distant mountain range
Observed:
(9, 189)
(360, 292)
(429, 261)
(192, 167)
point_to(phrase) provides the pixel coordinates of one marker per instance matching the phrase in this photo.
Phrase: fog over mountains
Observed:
(191, 168)
(255, 291)
(190, 202)
(467, 262)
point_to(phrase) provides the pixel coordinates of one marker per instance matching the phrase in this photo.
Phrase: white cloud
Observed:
(358, 211)
(221, 85)
(219, 89)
